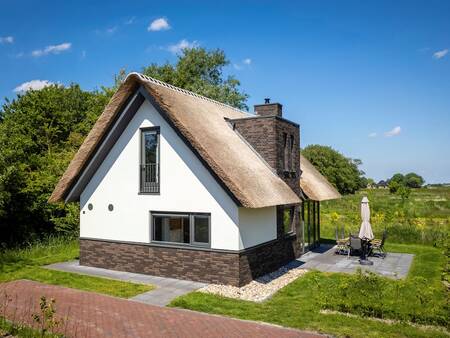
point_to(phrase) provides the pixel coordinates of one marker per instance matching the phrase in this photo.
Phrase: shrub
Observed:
(367, 294)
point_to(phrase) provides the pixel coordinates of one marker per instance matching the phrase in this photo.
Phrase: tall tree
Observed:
(39, 133)
(413, 180)
(201, 71)
(341, 171)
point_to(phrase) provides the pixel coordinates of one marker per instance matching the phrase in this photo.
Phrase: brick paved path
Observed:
(94, 315)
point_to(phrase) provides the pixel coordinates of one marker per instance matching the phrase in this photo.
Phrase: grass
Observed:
(26, 263)
(8, 328)
(301, 303)
(424, 218)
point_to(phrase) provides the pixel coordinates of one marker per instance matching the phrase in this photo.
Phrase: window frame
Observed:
(191, 216)
(155, 130)
(192, 230)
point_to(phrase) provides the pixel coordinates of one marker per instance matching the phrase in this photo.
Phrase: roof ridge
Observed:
(185, 91)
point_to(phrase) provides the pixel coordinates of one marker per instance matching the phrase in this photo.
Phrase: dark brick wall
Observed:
(260, 133)
(232, 268)
(262, 259)
(196, 265)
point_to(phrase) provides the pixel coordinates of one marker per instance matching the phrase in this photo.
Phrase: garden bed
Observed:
(261, 288)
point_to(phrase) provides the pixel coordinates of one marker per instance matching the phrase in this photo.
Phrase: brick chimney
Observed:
(269, 109)
(275, 139)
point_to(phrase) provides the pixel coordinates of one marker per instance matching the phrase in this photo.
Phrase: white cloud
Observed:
(83, 54)
(160, 24)
(440, 54)
(33, 84)
(373, 134)
(183, 44)
(236, 66)
(111, 30)
(394, 132)
(247, 61)
(52, 49)
(130, 21)
(6, 39)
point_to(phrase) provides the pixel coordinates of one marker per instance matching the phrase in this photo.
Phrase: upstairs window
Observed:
(149, 166)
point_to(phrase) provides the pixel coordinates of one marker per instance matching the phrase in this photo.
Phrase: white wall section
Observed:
(257, 226)
(186, 186)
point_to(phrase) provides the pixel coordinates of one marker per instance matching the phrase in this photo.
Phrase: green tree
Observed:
(398, 178)
(394, 186)
(39, 133)
(201, 71)
(412, 180)
(340, 171)
(395, 182)
(404, 192)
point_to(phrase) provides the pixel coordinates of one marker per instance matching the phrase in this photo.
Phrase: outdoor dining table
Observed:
(364, 260)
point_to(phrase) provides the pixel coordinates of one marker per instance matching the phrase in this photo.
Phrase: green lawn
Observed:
(424, 218)
(27, 264)
(299, 304)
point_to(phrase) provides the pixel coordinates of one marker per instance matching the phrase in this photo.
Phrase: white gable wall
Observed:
(186, 186)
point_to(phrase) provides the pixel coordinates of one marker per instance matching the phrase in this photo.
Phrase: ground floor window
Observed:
(181, 228)
(288, 220)
(311, 219)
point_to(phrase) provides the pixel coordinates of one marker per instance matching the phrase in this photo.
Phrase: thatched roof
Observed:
(314, 185)
(201, 122)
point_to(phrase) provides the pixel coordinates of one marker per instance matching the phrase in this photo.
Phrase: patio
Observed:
(323, 258)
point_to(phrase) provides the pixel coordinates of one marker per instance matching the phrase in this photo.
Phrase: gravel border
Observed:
(260, 289)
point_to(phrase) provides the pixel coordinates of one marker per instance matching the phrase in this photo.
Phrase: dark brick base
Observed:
(233, 268)
(262, 259)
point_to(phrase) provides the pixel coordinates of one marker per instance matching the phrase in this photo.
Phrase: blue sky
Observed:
(369, 78)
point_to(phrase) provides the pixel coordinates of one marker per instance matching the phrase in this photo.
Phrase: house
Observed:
(382, 184)
(174, 184)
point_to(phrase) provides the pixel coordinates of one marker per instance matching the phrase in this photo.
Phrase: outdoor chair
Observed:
(355, 245)
(341, 244)
(378, 245)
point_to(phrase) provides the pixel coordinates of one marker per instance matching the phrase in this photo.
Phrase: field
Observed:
(423, 218)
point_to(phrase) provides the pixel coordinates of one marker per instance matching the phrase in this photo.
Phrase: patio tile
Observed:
(166, 288)
(394, 265)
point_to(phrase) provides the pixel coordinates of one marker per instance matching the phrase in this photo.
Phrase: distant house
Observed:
(382, 184)
(174, 184)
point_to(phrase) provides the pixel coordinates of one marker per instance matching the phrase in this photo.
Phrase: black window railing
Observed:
(149, 178)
